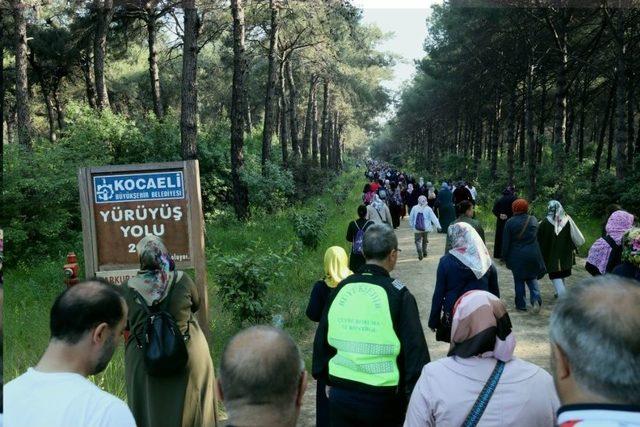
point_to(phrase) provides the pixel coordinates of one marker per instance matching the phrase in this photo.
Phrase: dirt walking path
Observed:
(531, 329)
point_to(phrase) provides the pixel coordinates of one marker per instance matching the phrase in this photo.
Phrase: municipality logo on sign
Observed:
(138, 187)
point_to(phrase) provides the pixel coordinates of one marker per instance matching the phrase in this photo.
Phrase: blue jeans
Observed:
(534, 291)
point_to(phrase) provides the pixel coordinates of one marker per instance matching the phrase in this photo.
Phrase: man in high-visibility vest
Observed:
(370, 346)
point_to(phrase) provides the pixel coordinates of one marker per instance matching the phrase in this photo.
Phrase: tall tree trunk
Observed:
(541, 124)
(603, 131)
(240, 191)
(293, 120)
(58, 106)
(612, 127)
(562, 87)
(330, 152)
(570, 126)
(477, 149)
(494, 137)
(522, 137)
(189, 89)
(528, 114)
(340, 146)
(104, 13)
(2, 93)
(583, 115)
(630, 124)
(308, 124)
(86, 65)
(336, 140)
(22, 82)
(315, 151)
(248, 123)
(154, 71)
(325, 127)
(46, 98)
(511, 136)
(270, 117)
(284, 111)
(621, 106)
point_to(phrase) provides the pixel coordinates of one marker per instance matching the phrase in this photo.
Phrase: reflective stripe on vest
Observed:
(361, 331)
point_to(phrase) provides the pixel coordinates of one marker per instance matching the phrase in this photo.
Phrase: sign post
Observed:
(122, 204)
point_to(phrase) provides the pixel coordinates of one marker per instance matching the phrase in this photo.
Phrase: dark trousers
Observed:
(322, 405)
(349, 408)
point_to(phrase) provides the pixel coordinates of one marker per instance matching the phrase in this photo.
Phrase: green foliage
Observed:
(270, 192)
(243, 280)
(309, 226)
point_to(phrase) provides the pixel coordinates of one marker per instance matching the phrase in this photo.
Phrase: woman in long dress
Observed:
(184, 399)
(467, 266)
(502, 211)
(559, 237)
(444, 205)
(336, 269)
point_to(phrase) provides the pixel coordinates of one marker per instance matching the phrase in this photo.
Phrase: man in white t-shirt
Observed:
(86, 322)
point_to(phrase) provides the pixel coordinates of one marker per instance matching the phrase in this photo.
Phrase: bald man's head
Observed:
(261, 366)
(82, 307)
(596, 326)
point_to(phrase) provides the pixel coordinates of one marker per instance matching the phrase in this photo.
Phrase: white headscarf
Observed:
(557, 216)
(467, 246)
(377, 203)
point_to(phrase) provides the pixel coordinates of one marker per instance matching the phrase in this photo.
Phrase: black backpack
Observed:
(162, 343)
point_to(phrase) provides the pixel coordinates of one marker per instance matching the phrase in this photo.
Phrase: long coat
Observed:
(557, 251)
(453, 279)
(446, 210)
(502, 206)
(181, 400)
(520, 248)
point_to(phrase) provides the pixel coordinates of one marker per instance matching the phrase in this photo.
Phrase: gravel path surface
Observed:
(419, 276)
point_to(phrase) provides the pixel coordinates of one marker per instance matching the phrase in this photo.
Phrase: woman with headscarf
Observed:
(502, 211)
(605, 253)
(482, 347)
(630, 266)
(184, 398)
(378, 212)
(335, 270)
(444, 205)
(432, 195)
(395, 204)
(521, 252)
(467, 266)
(422, 220)
(559, 237)
(355, 236)
(410, 197)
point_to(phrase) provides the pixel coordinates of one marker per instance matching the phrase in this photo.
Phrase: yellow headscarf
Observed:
(336, 266)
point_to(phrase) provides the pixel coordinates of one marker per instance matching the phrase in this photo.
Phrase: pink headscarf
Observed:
(619, 223)
(481, 327)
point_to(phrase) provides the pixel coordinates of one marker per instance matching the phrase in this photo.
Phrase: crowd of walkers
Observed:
(370, 357)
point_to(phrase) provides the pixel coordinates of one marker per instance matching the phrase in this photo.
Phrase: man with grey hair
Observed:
(262, 379)
(595, 353)
(370, 345)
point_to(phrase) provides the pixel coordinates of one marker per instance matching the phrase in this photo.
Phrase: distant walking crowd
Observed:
(370, 358)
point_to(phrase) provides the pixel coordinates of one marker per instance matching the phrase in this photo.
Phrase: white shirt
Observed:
(599, 415)
(61, 399)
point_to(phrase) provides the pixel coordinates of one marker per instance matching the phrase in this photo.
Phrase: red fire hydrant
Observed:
(71, 270)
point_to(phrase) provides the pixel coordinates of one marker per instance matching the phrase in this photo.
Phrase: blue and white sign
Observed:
(138, 187)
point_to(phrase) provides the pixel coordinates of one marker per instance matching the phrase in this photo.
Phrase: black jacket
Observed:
(414, 353)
